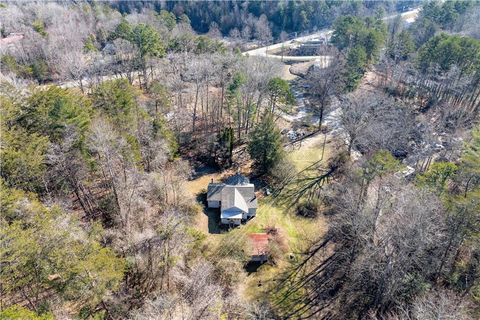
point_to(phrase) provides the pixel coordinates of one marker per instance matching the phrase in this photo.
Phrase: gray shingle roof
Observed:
(236, 180)
(232, 198)
(214, 191)
(240, 195)
(248, 193)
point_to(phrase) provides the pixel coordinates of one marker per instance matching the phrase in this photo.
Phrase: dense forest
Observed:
(361, 141)
(242, 17)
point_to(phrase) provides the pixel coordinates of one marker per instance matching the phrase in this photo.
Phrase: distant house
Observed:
(235, 198)
(259, 244)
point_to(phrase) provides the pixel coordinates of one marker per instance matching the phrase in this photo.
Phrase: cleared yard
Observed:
(297, 232)
(309, 151)
(268, 214)
(207, 219)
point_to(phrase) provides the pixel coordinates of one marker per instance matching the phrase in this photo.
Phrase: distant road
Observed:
(408, 16)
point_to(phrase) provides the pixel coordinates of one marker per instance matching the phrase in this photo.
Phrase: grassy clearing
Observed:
(269, 213)
(309, 152)
(298, 232)
(200, 184)
(197, 187)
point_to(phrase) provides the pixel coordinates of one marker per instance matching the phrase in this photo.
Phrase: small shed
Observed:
(259, 246)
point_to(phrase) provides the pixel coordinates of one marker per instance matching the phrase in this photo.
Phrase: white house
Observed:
(235, 198)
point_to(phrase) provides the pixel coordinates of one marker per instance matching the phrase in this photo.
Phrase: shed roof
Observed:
(259, 242)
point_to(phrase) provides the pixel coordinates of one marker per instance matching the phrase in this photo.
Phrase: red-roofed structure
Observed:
(259, 244)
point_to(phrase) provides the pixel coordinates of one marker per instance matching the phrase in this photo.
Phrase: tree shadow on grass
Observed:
(203, 170)
(212, 214)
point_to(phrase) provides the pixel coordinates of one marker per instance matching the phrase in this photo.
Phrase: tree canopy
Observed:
(355, 67)
(350, 31)
(444, 51)
(279, 91)
(265, 145)
(362, 40)
(147, 41)
(38, 256)
(117, 99)
(49, 112)
(17, 312)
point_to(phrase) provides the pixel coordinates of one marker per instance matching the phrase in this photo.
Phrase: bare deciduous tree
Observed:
(68, 172)
(326, 83)
(383, 252)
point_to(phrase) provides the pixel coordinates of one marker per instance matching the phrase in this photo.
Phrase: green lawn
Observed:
(296, 230)
(309, 152)
(299, 232)
(270, 213)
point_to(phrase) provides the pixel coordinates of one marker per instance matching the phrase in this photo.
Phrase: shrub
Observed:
(309, 208)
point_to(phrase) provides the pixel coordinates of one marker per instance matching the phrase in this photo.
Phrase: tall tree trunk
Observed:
(195, 108)
(320, 116)
(449, 246)
(207, 106)
(239, 118)
(145, 73)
